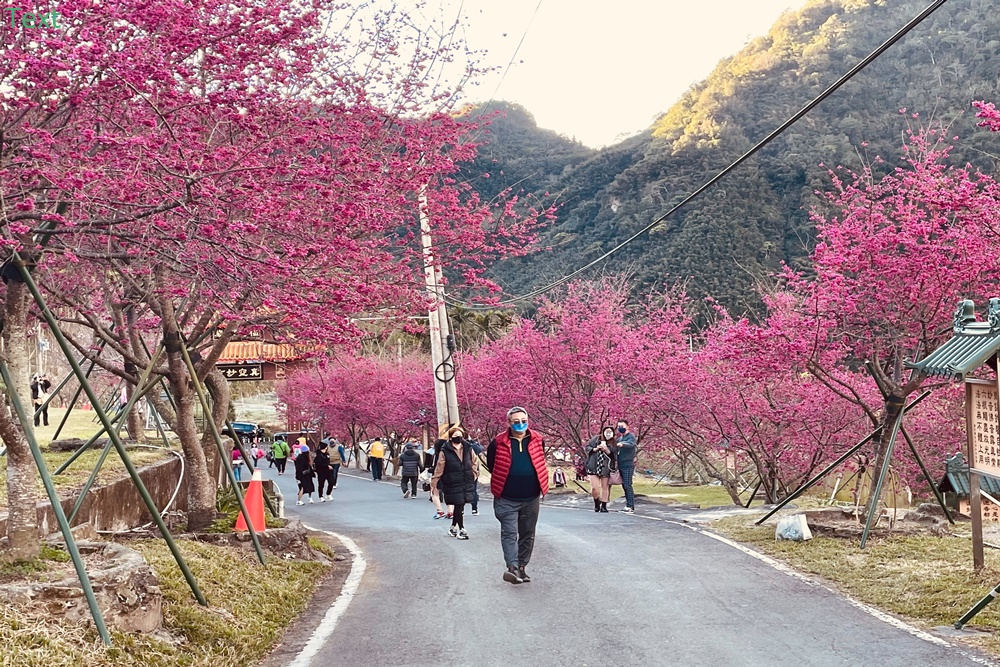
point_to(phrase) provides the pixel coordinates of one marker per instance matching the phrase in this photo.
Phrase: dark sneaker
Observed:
(475, 512)
(453, 531)
(462, 535)
(524, 575)
(513, 575)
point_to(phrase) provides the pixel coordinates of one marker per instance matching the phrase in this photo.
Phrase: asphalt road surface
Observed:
(606, 589)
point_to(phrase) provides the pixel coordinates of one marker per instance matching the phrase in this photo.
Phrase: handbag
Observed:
(616, 477)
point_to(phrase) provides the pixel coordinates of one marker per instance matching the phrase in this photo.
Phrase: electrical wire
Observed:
(902, 32)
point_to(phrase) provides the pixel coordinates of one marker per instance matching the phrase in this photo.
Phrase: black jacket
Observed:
(410, 463)
(321, 462)
(458, 482)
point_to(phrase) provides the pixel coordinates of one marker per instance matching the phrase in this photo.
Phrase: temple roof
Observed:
(973, 344)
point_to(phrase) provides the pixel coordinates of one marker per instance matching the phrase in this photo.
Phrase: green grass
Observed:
(250, 607)
(927, 579)
(704, 496)
(81, 424)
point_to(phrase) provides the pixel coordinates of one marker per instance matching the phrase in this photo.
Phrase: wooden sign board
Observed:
(241, 372)
(983, 427)
(989, 511)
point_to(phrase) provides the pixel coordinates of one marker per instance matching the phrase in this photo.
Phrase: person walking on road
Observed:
(600, 462)
(410, 465)
(304, 474)
(280, 452)
(376, 454)
(626, 463)
(324, 472)
(237, 459)
(457, 469)
(339, 458)
(516, 460)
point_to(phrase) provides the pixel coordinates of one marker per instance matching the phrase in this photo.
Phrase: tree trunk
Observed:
(22, 475)
(891, 409)
(201, 485)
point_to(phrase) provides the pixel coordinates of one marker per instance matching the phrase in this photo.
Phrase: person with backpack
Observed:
(410, 464)
(280, 451)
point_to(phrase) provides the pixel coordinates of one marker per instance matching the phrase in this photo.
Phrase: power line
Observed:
(715, 179)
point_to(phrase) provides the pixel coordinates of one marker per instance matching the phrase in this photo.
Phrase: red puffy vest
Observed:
(501, 464)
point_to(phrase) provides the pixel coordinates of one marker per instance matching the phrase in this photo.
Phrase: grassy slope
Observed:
(251, 606)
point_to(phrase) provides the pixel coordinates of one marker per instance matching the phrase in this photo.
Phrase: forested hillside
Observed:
(758, 217)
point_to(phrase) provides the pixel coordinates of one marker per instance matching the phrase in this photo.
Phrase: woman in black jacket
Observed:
(457, 469)
(304, 474)
(324, 471)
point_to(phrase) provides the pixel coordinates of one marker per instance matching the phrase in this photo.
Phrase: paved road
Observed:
(606, 589)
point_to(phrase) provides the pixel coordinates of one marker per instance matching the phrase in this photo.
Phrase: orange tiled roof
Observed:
(258, 351)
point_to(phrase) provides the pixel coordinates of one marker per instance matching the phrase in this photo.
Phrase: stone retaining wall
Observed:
(117, 506)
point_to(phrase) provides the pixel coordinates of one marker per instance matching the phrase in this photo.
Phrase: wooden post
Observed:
(975, 499)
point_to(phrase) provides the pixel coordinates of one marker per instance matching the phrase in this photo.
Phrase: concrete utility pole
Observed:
(442, 342)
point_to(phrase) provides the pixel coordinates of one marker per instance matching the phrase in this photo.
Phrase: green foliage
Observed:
(758, 217)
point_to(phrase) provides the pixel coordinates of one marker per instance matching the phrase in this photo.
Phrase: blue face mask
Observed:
(621, 429)
(519, 427)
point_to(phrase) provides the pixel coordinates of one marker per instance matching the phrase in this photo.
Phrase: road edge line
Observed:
(784, 568)
(337, 609)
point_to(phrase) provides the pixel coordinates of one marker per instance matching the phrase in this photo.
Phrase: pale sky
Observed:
(602, 70)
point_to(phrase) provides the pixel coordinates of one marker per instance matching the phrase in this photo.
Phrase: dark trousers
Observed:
(475, 498)
(627, 472)
(412, 481)
(518, 519)
(324, 477)
(43, 414)
(376, 469)
(335, 473)
(280, 463)
(458, 516)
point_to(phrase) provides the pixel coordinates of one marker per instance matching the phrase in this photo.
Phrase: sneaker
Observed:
(311, 501)
(329, 498)
(439, 515)
(524, 575)
(627, 510)
(453, 531)
(448, 515)
(462, 535)
(299, 502)
(321, 499)
(406, 494)
(475, 512)
(513, 575)
(335, 486)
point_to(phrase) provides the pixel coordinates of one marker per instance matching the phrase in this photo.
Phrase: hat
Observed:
(303, 449)
(411, 445)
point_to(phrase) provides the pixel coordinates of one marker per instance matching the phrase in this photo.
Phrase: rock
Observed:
(128, 593)
(73, 444)
(288, 542)
(930, 509)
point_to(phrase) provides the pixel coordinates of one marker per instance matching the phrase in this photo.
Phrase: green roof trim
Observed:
(956, 479)
(973, 344)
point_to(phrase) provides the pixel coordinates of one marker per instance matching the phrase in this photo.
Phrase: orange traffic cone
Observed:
(254, 500)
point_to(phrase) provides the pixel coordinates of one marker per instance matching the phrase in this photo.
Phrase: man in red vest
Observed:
(520, 479)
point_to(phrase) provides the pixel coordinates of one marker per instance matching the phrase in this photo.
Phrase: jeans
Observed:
(627, 472)
(376, 469)
(518, 519)
(335, 473)
(412, 481)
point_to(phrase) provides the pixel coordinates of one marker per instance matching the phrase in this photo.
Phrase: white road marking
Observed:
(333, 614)
(871, 611)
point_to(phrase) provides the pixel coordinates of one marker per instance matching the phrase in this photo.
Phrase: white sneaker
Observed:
(311, 501)
(329, 497)
(462, 535)
(335, 486)
(453, 531)
(299, 502)
(322, 499)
